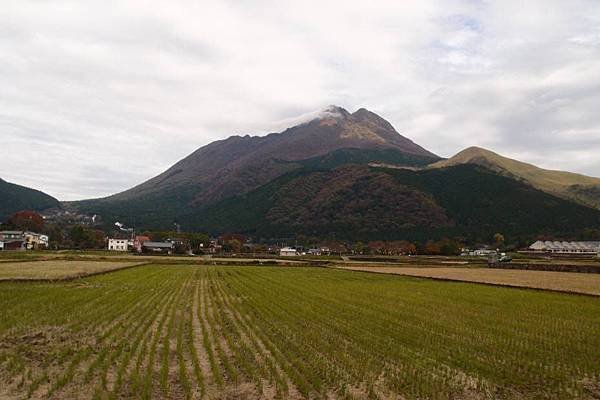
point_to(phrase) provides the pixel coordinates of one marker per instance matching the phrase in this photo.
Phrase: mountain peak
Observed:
(363, 112)
(235, 166)
(332, 108)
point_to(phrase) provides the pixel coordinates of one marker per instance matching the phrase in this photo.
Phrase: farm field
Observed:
(57, 269)
(190, 331)
(561, 281)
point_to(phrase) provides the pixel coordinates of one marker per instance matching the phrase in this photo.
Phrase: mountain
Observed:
(350, 176)
(239, 164)
(580, 188)
(364, 203)
(15, 198)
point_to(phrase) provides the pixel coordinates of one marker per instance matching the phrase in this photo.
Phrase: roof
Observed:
(11, 232)
(574, 246)
(162, 245)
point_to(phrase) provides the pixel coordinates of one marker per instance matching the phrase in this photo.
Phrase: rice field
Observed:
(49, 270)
(190, 332)
(575, 282)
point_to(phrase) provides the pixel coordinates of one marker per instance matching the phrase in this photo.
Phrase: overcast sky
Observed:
(98, 96)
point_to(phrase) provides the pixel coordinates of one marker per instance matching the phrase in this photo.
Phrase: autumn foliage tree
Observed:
(396, 247)
(27, 221)
(432, 248)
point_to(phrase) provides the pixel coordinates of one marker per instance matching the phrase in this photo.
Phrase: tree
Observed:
(232, 236)
(432, 248)
(402, 247)
(498, 239)
(85, 238)
(449, 247)
(26, 221)
(198, 240)
(360, 248)
(55, 235)
(336, 246)
(232, 245)
(377, 246)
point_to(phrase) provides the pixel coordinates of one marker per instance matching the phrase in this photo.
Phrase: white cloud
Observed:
(99, 96)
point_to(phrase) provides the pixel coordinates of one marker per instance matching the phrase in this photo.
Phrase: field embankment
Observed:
(571, 282)
(589, 268)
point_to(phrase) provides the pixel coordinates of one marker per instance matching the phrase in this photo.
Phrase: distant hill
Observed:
(580, 188)
(15, 198)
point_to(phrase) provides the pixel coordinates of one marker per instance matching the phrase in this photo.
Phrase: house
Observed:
(22, 240)
(318, 251)
(158, 247)
(213, 247)
(35, 241)
(138, 242)
(118, 244)
(566, 248)
(483, 252)
(9, 235)
(13, 244)
(288, 251)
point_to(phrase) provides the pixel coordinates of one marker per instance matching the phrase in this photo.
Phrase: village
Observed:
(28, 230)
(171, 243)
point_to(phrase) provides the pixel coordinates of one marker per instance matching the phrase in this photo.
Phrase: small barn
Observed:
(566, 248)
(157, 247)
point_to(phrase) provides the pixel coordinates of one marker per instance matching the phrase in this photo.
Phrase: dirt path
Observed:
(571, 282)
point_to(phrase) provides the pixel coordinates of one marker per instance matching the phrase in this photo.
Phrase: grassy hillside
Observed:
(15, 198)
(367, 203)
(480, 201)
(577, 187)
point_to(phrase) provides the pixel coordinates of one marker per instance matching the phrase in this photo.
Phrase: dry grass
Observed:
(557, 182)
(57, 269)
(549, 280)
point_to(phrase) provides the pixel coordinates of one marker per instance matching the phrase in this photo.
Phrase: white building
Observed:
(35, 240)
(574, 248)
(288, 251)
(118, 244)
(482, 252)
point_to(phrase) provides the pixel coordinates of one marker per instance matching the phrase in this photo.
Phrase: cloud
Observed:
(97, 97)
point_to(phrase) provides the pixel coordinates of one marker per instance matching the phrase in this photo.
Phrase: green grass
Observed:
(195, 331)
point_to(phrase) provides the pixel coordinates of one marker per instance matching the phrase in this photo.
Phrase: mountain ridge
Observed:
(14, 197)
(569, 185)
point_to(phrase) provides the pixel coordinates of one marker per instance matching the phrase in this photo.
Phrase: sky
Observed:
(98, 96)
